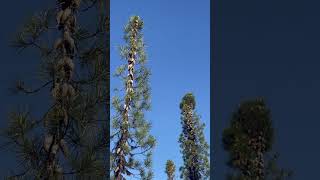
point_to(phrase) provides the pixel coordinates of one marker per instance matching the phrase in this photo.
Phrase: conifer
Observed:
(194, 148)
(131, 152)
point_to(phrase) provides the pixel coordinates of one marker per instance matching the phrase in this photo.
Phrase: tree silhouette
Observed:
(131, 151)
(194, 148)
(248, 140)
(69, 140)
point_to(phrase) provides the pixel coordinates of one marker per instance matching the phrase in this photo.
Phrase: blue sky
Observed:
(177, 34)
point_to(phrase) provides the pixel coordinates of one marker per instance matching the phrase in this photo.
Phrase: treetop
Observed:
(188, 99)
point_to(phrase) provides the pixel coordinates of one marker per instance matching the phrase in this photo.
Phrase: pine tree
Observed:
(194, 148)
(248, 140)
(170, 169)
(131, 151)
(69, 139)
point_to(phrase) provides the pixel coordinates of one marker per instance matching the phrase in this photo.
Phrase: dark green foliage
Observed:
(77, 121)
(194, 148)
(189, 100)
(248, 140)
(131, 151)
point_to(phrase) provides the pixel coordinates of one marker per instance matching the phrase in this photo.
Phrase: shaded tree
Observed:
(131, 151)
(194, 148)
(69, 139)
(170, 169)
(248, 140)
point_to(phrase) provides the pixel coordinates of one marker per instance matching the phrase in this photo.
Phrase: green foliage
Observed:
(133, 138)
(84, 139)
(194, 148)
(248, 139)
(188, 99)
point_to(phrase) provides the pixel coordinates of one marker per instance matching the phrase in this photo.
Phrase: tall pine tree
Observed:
(194, 148)
(131, 151)
(170, 169)
(248, 141)
(69, 139)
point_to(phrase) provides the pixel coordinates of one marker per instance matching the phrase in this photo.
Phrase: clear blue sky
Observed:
(177, 35)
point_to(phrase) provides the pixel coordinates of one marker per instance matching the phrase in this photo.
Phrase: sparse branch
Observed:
(20, 87)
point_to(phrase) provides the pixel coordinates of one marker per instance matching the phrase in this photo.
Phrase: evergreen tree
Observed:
(194, 148)
(69, 139)
(131, 151)
(170, 169)
(248, 141)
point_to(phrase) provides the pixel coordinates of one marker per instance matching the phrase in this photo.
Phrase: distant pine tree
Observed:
(170, 169)
(69, 140)
(131, 153)
(248, 139)
(194, 148)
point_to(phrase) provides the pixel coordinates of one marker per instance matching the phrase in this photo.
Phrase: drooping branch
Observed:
(20, 87)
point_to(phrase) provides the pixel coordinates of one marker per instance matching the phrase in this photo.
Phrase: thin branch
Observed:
(21, 88)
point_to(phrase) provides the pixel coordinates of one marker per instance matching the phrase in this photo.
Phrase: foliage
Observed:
(131, 151)
(248, 140)
(69, 139)
(170, 169)
(194, 148)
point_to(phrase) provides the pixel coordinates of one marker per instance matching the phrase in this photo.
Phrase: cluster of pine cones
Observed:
(63, 91)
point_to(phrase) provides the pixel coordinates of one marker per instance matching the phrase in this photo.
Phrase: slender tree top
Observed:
(131, 154)
(189, 100)
(194, 148)
(253, 118)
(248, 139)
(170, 169)
(135, 22)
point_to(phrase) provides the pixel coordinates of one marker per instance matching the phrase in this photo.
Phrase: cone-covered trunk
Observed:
(133, 145)
(120, 152)
(63, 91)
(69, 139)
